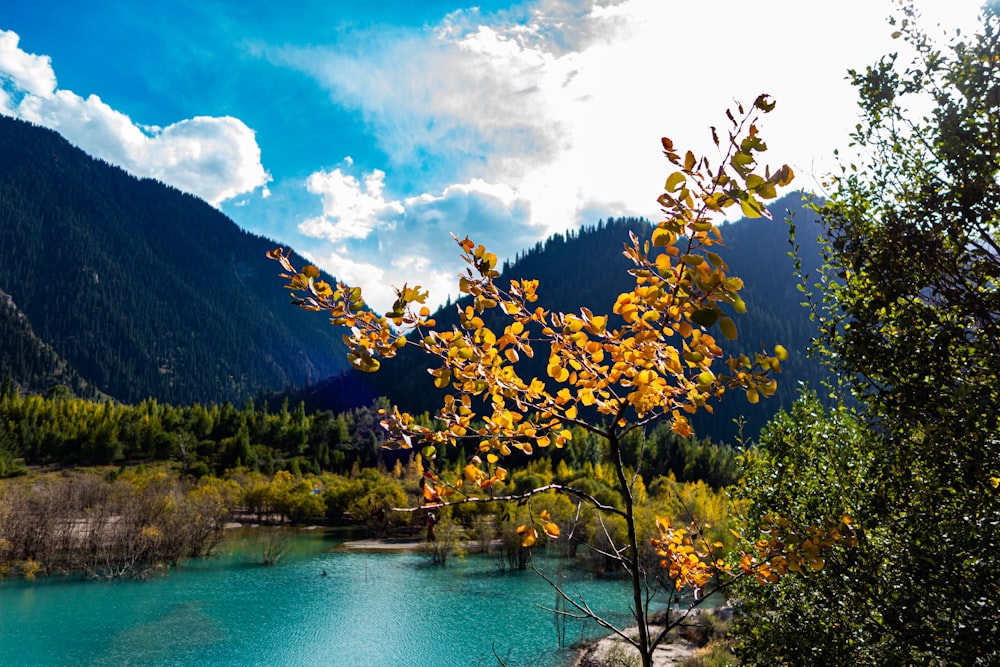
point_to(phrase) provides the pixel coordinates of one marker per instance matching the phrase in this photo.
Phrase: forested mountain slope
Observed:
(587, 268)
(131, 288)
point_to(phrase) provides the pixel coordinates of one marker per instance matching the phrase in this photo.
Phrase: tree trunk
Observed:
(631, 558)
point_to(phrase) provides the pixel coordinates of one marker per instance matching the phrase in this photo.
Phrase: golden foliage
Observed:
(655, 356)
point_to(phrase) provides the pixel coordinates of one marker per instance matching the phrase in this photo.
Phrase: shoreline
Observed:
(384, 544)
(612, 649)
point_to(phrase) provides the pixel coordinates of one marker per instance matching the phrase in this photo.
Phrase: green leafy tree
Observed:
(910, 318)
(657, 356)
(810, 465)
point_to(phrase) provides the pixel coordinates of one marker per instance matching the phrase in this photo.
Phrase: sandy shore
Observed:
(613, 649)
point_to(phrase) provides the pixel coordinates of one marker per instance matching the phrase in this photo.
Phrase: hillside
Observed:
(132, 289)
(587, 268)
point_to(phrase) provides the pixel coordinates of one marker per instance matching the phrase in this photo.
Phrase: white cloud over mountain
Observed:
(216, 158)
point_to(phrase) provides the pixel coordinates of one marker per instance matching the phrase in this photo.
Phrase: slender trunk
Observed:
(632, 555)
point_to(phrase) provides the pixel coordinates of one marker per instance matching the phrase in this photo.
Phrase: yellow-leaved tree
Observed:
(656, 356)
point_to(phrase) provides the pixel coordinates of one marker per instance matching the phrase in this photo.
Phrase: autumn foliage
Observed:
(656, 356)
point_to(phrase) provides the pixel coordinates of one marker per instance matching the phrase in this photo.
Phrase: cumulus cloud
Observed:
(350, 209)
(24, 71)
(216, 158)
(518, 124)
(381, 244)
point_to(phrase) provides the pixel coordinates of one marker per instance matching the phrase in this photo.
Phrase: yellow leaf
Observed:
(551, 529)
(430, 494)
(442, 378)
(675, 180)
(662, 237)
(751, 209)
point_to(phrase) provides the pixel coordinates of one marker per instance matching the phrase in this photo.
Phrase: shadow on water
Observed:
(178, 636)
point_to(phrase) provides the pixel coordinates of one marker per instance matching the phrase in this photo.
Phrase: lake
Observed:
(371, 609)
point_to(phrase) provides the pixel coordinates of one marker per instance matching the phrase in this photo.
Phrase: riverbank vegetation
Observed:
(86, 478)
(133, 521)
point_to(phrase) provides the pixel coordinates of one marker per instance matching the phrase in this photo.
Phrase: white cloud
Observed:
(27, 72)
(535, 120)
(350, 209)
(380, 244)
(216, 158)
(565, 101)
(377, 290)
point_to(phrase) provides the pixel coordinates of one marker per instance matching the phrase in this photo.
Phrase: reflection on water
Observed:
(369, 610)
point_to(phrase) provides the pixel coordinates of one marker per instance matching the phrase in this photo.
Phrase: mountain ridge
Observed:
(143, 290)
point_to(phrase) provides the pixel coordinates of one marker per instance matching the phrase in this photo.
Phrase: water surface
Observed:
(371, 610)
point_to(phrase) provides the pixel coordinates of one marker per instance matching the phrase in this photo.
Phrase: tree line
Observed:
(62, 430)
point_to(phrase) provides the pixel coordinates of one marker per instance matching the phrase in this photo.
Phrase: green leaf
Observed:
(764, 103)
(728, 328)
(692, 260)
(705, 317)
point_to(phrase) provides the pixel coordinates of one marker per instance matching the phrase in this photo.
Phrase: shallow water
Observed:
(371, 610)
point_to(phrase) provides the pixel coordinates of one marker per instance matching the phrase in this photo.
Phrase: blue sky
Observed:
(363, 133)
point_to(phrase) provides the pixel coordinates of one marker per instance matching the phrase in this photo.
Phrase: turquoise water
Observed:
(371, 610)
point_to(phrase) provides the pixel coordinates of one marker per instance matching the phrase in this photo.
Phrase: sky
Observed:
(363, 134)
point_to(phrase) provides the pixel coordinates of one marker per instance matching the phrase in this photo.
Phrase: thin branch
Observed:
(514, 497)
(585, 609)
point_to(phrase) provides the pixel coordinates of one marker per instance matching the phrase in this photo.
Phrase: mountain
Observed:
(126, 287)
(587, 268)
